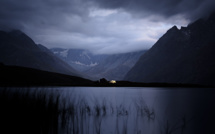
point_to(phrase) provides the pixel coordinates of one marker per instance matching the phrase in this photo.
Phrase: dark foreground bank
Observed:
(21, 76)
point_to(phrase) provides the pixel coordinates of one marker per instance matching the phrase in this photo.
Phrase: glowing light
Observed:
(112, 82)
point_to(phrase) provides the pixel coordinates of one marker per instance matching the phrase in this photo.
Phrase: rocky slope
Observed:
(16, 48)
(183, 55)
(79, 59)
(98, 66)
(115, 66)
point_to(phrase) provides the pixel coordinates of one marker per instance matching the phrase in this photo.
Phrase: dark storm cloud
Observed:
(104, 26)
(41, 13)
(47, 13)
(191, 9)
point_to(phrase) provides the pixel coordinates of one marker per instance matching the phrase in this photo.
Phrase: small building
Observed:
(112, 81)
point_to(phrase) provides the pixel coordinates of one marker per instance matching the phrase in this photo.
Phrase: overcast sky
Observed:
(102, 26)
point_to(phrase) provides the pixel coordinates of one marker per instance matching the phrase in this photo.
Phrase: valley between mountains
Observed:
(181, 56)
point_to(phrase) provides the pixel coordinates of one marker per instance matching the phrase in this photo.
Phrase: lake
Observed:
(134, 110)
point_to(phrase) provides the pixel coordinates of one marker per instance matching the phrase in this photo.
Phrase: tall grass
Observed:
(43, 112)
(25, 112)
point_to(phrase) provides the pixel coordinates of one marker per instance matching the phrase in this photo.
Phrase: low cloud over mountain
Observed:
(102, 26)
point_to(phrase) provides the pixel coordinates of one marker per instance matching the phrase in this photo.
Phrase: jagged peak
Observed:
(183, 29)
(174, 28)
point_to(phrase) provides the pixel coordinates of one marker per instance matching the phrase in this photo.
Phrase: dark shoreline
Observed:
(15, 76)
(119, 84)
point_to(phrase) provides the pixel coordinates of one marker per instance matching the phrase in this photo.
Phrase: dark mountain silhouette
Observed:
(180, 56)
(16, 48)
(22, 76)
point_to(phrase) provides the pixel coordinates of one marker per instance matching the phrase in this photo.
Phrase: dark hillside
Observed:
(22, 76)
(183, 55)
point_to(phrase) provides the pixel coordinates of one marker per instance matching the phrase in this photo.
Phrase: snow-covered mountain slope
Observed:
(79, 59)
(113, 66)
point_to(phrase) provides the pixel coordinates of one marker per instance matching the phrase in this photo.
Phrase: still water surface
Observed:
(138, 110)
(145, 110)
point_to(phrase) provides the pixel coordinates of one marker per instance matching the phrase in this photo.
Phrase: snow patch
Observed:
(82, 64)
(93, 64)
(55, 52)
(64, 53)
(85, 53)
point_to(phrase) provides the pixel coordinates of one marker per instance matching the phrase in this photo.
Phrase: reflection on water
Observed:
(143, 110)
(109, 110)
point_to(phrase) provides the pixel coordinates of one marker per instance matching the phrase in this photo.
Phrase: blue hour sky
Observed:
(102, 26)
